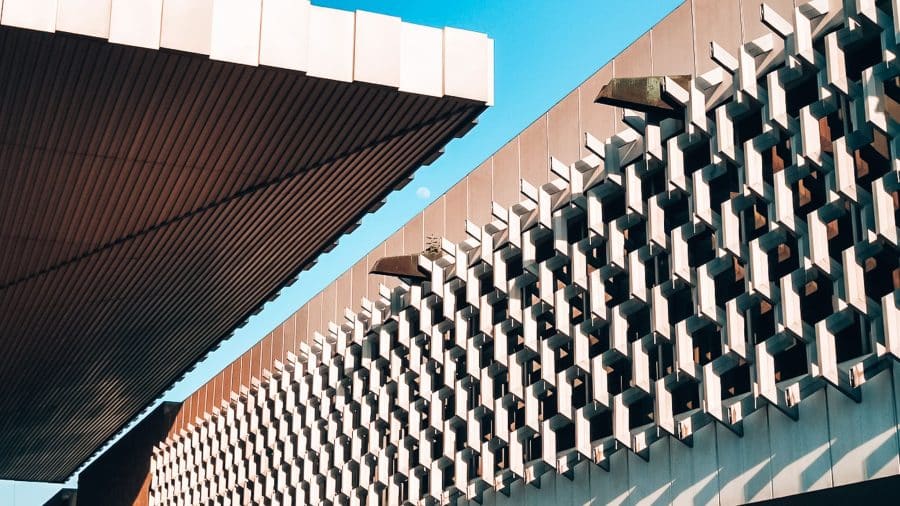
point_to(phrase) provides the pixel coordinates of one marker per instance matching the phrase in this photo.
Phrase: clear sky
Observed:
(542, 50)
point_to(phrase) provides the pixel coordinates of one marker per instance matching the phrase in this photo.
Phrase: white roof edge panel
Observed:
(31, 14)
(291, 34)
(421, 60)
(187, 25)
(284, 39)
(331, 40)
(377, 49)
(87, 17)
(468, 61)
(236, 31)
(136, 23)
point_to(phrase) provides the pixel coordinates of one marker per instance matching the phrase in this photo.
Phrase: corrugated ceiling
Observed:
(150, 201)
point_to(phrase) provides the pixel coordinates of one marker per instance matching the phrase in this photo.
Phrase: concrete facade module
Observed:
(692, 310)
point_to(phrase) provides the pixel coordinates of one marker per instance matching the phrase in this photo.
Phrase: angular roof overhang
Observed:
(152, 198)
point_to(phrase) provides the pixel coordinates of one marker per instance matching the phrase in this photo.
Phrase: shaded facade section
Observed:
(121, 475)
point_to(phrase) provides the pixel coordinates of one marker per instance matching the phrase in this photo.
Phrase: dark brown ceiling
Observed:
(150, 201)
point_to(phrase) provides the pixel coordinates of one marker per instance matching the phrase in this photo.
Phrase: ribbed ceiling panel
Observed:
(149, 202)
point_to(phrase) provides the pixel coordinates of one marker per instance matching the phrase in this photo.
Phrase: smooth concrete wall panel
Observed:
(611, 487)
(315, 318)
(580, 485)
(801, 460)
(673, 44)
(252, 365)
(564, 491)
(187, 25)
(455, 215)
(434, 218)
(506, 174)
(87, 17)
(329, 307)
(695, 469)
(517, 494)
(534, 156)
(359, 275)
(290, 334)
(478, 193)
(863, 439)
(301, 327)
(545, 494)
(414, 235)
(635, 60)
(650, 481)
(265, 359)
(372, 280)
(236, 374)
(564, 136)
(344, 296)
(719, 21)
(393, 245)
(745, 472)
(595, 119)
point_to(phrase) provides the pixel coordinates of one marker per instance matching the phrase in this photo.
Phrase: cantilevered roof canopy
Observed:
(152, 198)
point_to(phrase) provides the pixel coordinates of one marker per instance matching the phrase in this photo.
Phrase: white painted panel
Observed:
(235, 31)
(136, 23)
(331, 43)
(468, 65)
(650, 481)
(864, 436)
(695, 469)
(611, 487)
(745, 473)
(187, 25)
(421, 60)
(377, 57)
(284, 40)
(85, 17)
(801, 460)
(33, 14)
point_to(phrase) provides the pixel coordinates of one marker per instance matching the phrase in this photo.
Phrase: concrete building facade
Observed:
(626, 307)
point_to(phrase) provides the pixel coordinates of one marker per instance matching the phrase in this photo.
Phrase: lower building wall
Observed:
(121, 476)
(835, 442)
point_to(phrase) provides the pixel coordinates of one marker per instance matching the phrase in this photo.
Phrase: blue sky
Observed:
(542, 50)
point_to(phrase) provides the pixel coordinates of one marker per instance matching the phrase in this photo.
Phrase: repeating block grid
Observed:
(687, 271)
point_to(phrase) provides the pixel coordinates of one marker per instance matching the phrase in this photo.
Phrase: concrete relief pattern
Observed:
(689, 272)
